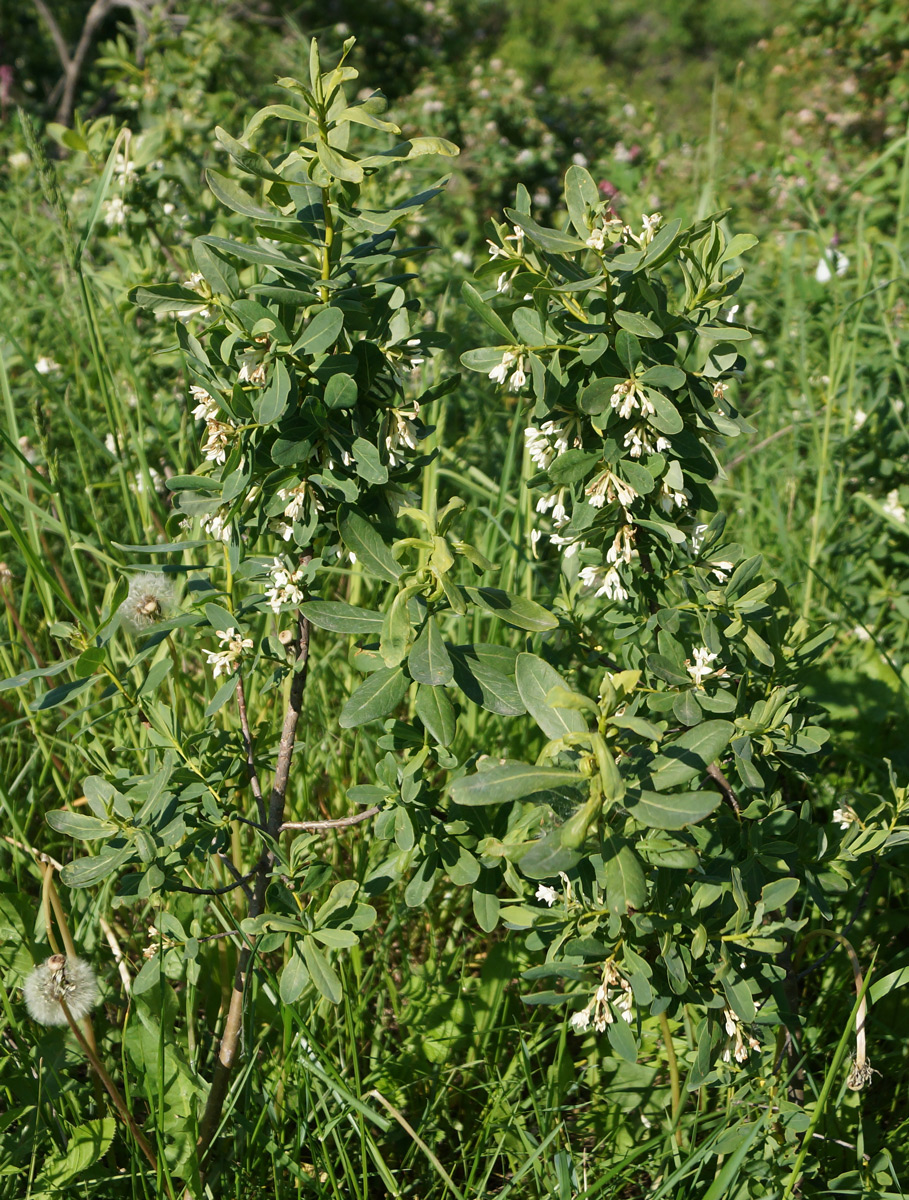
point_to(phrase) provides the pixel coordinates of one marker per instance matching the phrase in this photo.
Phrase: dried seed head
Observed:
(149, 598)
(58, 979)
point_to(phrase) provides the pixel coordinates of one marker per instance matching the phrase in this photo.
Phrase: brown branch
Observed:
(250, 757)
(230, 1038)
(338, 823)
(725, 787)
(240, 881)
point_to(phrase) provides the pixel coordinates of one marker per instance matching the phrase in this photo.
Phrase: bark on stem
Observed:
(230, 1039)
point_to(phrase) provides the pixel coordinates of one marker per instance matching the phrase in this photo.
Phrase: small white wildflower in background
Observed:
(194, 281)
(168, 209)
(60, 979)
(844, 816)
(834, 258)
(285, 587)
(730, 315)
(462, 258)
(571, 546)
(862, 633)
(19, 160)
(893, 508)
(110, 445)
(233, 645)
(859, 417)
(701, 668)
(697, 538)
(125, 169)
(115, 212)
(47, 366)
(148, 600)
(6, 575)
(499, 373)
(720, 390)
(547, 894)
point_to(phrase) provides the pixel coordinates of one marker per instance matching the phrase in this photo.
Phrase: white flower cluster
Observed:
(629, 395)
(637, 442)
(218, 434)
(893, 508)
(302, 501)
(60, 980)
(500, 371)
(553, 438)
(701, 668)
(216, 525)
(739, 1051)
(844, 816)
(608, 487)
(401, 434)
(603, 581)
(224, 661)
(285, 587)
(599, 1009)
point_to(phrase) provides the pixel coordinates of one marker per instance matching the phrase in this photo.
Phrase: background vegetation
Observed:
(792, 118)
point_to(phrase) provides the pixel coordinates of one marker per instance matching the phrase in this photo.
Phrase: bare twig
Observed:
(230, 1038)
(725, 787)
(250, 757)
(338, 823)
(240, 881)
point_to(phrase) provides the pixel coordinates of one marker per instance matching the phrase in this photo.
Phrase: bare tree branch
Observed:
(338, 823)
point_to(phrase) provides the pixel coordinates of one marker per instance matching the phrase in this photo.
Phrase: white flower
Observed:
(401, 435)
(627, 396)
(701, 668)
(697, 538)
(149, 597)
(60, 979)
(47, 366)
(609, 487)
(115, 212)
(859, 418)
(218, 437)
(301, 501)
(285, 587)
(206, 406)
(580, 1020)
(232, 647)
(216, 525)
(603, 582)
(547, 894)
(499, 373)
(597, 239)
(168, 209)
(570, 545)
(844, 817)
(893, 508)
(671, 499)
(834, 258)
(862, 633)
(722, 570)
(622, 545)
(195, 279)
(19, 160)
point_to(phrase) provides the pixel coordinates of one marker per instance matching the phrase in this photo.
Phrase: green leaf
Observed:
(79, 825)
(219, 274)
(622, 1041)
(739, 244)
(548, 857)
(361, 537)
(511, 781)
(340, 391)
(322, 973)
(535, 680)
(690, 754)
(628, 348)
(294, 978)
(37, 673)
(219, 618)
(664, 376)
(59, 695)
(339, 617)
(547, 239)
(582, 198)
(686, 709)
(421, 884)
(429, 661)
(249, 160)
(437, 713)
(515, 610)
(232, 195)
(486, 905)
(475, 301)
(90, 661)
(272, 402)
(165, 298)
(320, 333)
(83, 872)
(222, 695)
(638, 325)
(86, 1145)
(369, 465)
(381, 693)
(778, 893)
(625, 885)
(659, 811)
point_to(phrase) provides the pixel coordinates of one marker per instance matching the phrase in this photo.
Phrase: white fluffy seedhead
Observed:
(148, 601)
(60, 978)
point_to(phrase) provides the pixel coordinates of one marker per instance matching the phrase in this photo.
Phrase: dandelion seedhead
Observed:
(60, 978)
(148, 600)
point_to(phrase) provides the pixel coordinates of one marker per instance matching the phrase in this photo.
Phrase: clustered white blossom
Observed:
(629, 395)
(224, 661)
(401, 435)
(47, 366)
(302, 502)
(740, 1051)
(218, 434)
(216, 524)
(603, 581)
(115, 212)
(285, 587)
(602, 1008)
(499, 372)
(844, 816)
(701, 668)
(637, 442)
(609, 486)
(61, 979)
